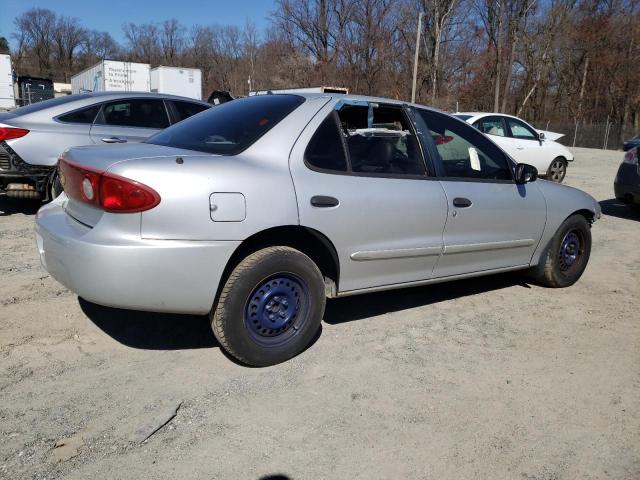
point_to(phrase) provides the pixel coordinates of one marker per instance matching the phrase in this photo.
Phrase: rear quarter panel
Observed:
(46, 140)
(261, 174)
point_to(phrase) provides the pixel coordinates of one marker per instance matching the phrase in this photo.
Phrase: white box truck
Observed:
(112, 75)
(7, 97)
(186, 82)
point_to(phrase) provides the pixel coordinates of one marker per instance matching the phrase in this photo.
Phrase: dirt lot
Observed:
(486, 378)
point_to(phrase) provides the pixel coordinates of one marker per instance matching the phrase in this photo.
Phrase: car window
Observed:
(465, 152)
(325, 149)
(137, 112)
(184, 110)
(521, 130)
(379, 139)
(491, 126)
(84, 115)
(230, 128)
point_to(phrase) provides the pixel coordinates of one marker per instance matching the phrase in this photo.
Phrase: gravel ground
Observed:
(486, 378)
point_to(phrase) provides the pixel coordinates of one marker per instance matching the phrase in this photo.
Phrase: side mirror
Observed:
(540, 136)
(525, 173)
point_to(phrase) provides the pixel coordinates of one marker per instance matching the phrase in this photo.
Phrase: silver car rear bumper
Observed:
(155, 275)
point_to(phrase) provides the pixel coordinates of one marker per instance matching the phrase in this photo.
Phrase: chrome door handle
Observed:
(114, 140)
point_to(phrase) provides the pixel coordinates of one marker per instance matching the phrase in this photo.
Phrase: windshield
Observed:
(230, 128)
(463, 117)
(53, 102)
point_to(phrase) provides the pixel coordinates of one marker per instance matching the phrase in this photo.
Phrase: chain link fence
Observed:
(608, 136)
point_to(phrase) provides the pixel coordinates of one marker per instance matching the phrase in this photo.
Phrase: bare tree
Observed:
(35, 28)
(143, 42)
(172, 41)
(68, 37)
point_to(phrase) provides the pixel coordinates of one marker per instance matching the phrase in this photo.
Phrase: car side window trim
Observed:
(441, 173)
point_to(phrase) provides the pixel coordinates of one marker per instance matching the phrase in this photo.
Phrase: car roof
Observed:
(60, 105)
(117, 95)
(477, 115)
(348, 96)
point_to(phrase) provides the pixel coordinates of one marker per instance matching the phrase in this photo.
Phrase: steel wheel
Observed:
(570, 252)
(557, 170)
(277, 309)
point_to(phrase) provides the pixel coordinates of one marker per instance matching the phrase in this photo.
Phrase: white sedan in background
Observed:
(524, 143)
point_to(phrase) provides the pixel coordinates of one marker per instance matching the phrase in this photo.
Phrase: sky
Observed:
(110, 15)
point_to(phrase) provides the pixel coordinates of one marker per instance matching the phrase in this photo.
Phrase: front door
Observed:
(528, 147)
(492, 222)
(361, 180)
(129, 120)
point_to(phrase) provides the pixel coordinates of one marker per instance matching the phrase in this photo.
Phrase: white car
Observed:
(524, 143)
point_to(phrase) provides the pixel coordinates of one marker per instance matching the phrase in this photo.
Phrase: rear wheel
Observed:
(56, 187)
(270, 307)
(557, 170)
(567, 254)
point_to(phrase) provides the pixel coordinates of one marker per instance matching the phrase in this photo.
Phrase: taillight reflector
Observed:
(9, 133)
(104, 190)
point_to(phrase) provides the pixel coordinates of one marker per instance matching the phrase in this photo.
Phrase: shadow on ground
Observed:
(149, 330)
(359, 307)
(163, 331)
(615, 208)
(11, 206)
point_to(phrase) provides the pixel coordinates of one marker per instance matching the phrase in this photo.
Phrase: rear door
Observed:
(361, 181)
(492, 222)
(129, 120)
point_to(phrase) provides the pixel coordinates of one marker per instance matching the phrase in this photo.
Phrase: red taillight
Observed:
(104, 190)
(9, 133)
(442, 139)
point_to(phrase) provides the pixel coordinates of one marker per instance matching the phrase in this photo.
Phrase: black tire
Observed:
(55, 187)
(556, 268)
(270, 307)
(557, 170)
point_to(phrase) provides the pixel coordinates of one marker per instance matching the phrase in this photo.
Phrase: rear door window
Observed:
(84, 115)
(325, 150)
(380, 140)
(140, 112)
(184, 110)
(230, 128)
(491, 126)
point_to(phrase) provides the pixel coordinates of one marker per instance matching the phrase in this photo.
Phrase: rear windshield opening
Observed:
(230, 128)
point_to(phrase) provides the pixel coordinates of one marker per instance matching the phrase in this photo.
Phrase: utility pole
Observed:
(415, 59)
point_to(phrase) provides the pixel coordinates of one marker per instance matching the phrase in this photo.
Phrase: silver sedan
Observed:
(32, 137)
(258, 210)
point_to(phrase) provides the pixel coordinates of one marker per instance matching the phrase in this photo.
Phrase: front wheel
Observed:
(270, 307)
(567, 254)
(557, 170)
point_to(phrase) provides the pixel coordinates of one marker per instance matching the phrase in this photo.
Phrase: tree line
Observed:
(574, 61)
